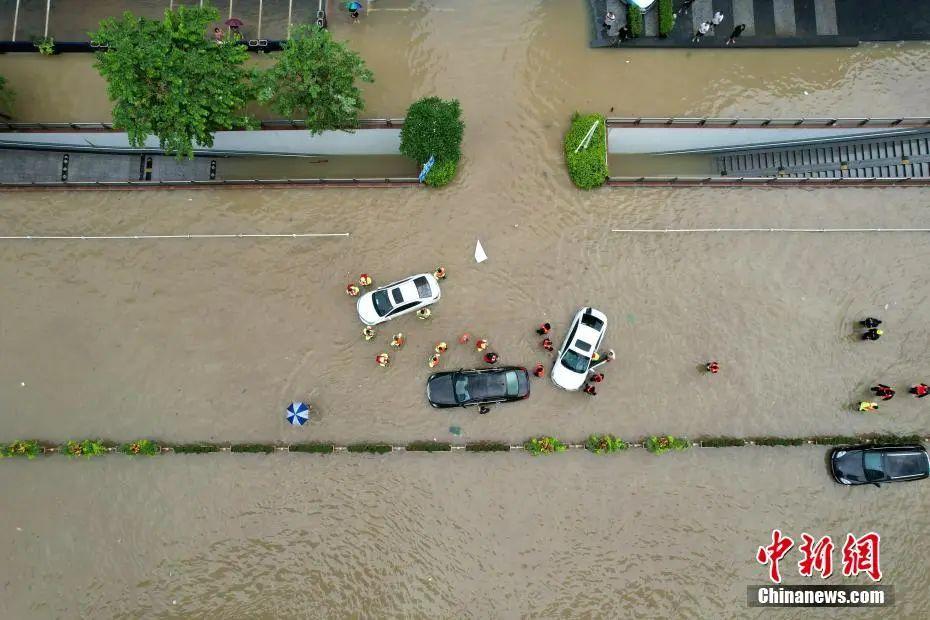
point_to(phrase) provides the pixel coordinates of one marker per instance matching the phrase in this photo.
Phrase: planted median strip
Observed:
(536, 446)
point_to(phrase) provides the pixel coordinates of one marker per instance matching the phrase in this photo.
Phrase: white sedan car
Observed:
(584, 337)
(397, 298)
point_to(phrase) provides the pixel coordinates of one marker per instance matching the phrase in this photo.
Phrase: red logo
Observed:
(817, 557)
(860, 555)
(773, 553)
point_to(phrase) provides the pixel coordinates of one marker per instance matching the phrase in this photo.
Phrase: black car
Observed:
(481, 386)
(877, 464)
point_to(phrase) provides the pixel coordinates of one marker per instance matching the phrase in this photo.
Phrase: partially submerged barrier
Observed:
(598, 444)
(213, 184)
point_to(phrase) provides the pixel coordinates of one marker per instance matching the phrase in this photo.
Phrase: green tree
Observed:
(315, 78)
(167, 79)
(6, 99)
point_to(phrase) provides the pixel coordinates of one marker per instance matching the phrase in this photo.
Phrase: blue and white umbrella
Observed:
(298, 413)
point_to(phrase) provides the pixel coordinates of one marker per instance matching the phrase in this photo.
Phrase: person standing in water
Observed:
(872, 334)
(547, 344)
(490, 357)
(539, 370)
(713, 367)
(886, 392)
(920, 390)
(870, 322)
(544, 329)
(868, 406)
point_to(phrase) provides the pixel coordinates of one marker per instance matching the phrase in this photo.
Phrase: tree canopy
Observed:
(167, 79)
(315, 79)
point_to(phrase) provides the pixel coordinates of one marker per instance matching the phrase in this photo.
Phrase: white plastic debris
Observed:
(480, 256)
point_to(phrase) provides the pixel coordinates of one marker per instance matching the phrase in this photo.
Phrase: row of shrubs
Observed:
(545, 444)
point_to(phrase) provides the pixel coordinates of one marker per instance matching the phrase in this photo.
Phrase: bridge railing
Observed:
(712, 122)
(274, 124)
(720, 181)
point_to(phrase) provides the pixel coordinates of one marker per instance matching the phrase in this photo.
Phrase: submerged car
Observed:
(397, 298)
(581, 343)
(876, 464)
(481, 386)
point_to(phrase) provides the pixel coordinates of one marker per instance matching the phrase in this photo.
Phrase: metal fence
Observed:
(915, 121)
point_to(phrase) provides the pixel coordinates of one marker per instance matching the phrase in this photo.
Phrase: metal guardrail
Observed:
(274, 124)
(914, 121)
(689, 181)
(218, 183)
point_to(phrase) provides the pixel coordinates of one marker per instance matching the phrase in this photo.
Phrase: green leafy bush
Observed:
(28, 449)
(544, 445)
(86, 448)
(721, 442)
(434, 127)
(666, 17)
(428, 446)
(605, 444)
(663, 444)
(314, 448)
(370, 448)
(487, 446)
(776, 441)
(195, 448)
(634, 20)
(140, 446)
(256, 448)
(588, 167)
(45, 45)
(880, 439)
(440, 174)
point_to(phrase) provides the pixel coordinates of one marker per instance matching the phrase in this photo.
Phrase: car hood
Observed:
(366, 310)
(439, 389)
(565, 378)
(847, 464)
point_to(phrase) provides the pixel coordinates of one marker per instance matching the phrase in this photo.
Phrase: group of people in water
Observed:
(594, 377)
(882, 391)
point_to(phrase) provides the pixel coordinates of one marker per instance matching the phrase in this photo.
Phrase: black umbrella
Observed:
(233, 22)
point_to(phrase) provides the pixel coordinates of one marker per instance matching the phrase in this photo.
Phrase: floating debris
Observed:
(480, 255)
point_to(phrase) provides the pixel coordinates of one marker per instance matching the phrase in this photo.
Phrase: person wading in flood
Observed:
(920, 390)
(483, 409)
(490, 357)
(886, 392)
(590, 389)
(713, 367)
(872, 334)
(870, 322)
(544, 329)
(736, 34)
(868, 406)
(547, 344)
(539, 370)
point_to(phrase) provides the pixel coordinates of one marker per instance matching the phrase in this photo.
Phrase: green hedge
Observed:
(487, 446)
(84, 447)
(256, 448)
(588, 167)
(776, 441)
(835, 440)
(370, 448)
(434, 127)
(428, 446)
(634, 20)
(666, 443)
(721, 442)
(143, 447)
(604, 444)
(313, 448)
(666, 17)
(23, 449)
(880, 439)
(544, 445)
(196, 448)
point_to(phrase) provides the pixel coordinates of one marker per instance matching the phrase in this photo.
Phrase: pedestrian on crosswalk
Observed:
(703, 29)
(716, 20)
(685, 7)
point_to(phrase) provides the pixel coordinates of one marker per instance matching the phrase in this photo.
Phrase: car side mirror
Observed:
(877, 484)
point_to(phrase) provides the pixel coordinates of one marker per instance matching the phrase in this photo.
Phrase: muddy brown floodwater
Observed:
(186, 340)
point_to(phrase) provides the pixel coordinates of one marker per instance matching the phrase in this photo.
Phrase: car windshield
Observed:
(592, 321)
(575, 362)
(423, 289)
(381, 302)
(872, 464)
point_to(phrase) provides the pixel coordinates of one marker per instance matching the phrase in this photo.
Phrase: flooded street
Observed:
(208, 340)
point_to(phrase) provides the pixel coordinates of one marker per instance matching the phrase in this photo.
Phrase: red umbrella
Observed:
(233, 22)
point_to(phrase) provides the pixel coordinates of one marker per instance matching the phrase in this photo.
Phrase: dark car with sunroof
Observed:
(480, 386)
(877, 464)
